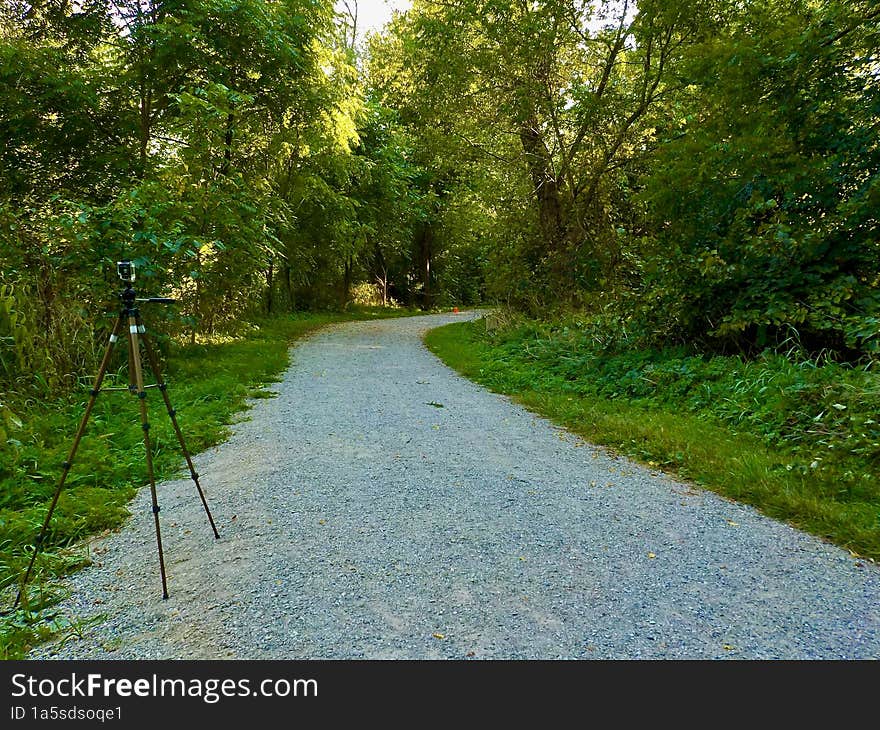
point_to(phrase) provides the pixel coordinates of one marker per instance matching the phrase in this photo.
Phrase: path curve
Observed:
(360, 519)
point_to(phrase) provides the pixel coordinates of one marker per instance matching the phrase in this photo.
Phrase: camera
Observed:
(125, 269)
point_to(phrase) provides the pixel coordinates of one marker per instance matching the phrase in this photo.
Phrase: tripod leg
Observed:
(132, 386)
(145, 425)
(153, 360)
(93, 396)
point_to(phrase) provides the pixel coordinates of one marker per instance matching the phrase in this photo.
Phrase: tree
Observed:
(765, 194)
(563, 92)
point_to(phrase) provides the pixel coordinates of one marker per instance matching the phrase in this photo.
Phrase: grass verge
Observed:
(208, 385)
(798, 443)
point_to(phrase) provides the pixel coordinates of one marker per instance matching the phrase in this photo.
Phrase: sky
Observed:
(373, 14)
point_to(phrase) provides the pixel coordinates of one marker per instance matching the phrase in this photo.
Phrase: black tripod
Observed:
(136, 334)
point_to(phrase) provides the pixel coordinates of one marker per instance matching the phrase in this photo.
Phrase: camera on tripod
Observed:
(129, 318)
(125, 270)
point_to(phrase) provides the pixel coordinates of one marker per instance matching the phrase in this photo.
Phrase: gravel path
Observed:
(360, 519)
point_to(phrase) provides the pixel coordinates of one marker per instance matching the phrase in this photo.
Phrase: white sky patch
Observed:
(371, 14)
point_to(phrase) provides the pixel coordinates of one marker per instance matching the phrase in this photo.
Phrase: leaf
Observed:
(732, 523)
(435, 404)
(651, 556)
(438, 636)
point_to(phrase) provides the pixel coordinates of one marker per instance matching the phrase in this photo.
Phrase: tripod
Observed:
(136, 334)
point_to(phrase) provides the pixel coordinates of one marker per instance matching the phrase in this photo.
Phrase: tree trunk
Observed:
(547, 187)
(381, 273)
(146, 104)
(346, 282)
(227, 145)
(269, 287)
(288, 292)
(198, 300)
(426, 253)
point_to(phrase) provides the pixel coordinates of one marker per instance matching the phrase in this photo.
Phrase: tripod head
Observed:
(126, 271)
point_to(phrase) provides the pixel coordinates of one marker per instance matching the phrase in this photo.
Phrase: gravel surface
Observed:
(383, 507)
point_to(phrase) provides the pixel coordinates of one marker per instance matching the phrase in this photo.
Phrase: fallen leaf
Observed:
(732, 523)
(438, 636)
(322, 522)
(728, 647)
(434, 403)
(651, 556)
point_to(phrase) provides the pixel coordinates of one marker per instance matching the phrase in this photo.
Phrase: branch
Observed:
(648, 95)
(846, 31)
(610, 62)
(481, 148)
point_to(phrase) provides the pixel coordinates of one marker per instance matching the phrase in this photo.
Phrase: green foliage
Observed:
(539, 112)
(226, 148)
(797, 438)
(765, 192)
(709, 170)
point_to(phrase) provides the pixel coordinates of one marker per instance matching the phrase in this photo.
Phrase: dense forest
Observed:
(684, 171)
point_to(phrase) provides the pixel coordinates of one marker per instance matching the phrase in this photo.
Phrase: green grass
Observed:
(208, 385)
(797, 440)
